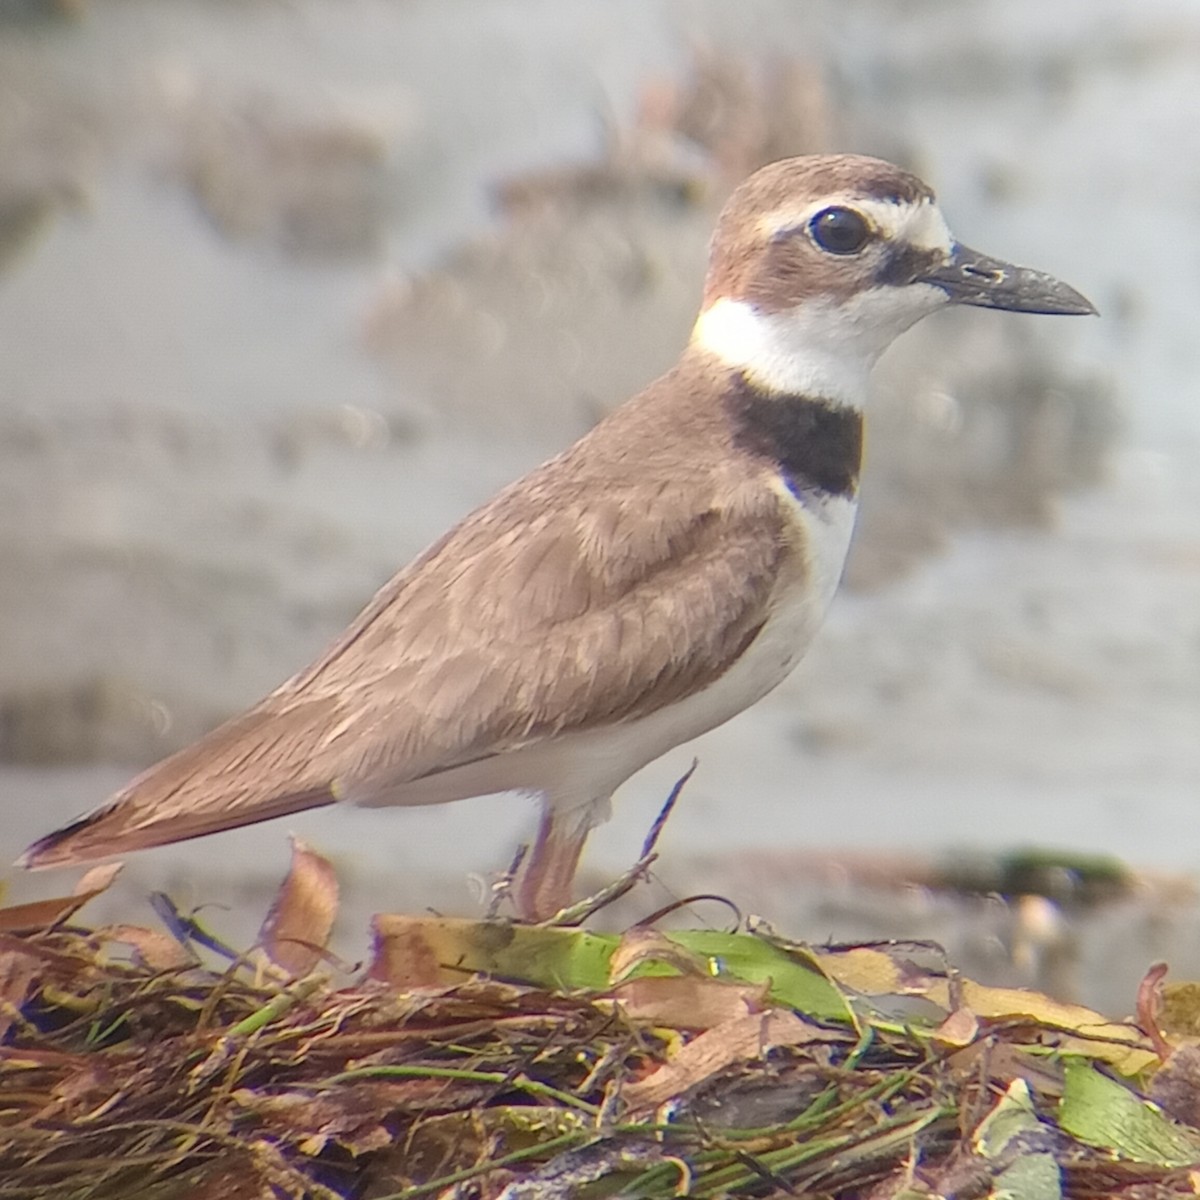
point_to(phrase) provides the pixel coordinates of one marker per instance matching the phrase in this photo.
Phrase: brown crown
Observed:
(777, 271)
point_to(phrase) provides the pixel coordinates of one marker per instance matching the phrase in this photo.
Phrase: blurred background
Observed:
(286, 286)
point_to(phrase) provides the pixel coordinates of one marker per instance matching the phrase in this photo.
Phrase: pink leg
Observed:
(544, 880)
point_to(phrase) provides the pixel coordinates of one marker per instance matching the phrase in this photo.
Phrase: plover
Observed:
(653, 580)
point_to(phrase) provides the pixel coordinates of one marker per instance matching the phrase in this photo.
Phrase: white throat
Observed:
(817, 348)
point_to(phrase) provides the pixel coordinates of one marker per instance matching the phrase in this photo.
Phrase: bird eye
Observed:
(839, 230)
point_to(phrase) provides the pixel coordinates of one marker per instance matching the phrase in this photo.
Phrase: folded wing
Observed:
(539, 614)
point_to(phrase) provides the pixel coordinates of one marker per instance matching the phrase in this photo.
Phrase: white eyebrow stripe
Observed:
(921, 225)
(925, 228)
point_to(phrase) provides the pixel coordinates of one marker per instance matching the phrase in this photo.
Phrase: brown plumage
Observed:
(620, 576)
(645, 585)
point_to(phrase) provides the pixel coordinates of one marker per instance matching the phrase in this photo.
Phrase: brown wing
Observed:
(233, 776)
(549, 619)
(550, 609)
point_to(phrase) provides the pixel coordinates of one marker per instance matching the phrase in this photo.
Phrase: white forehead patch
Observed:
(921, 225)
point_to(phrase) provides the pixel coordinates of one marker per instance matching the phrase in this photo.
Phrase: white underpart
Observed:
(828, 522)
(819, 348)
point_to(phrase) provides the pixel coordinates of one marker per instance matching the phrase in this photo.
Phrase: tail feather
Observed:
(263, 764)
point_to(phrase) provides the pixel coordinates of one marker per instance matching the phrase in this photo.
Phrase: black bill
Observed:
(973, 278)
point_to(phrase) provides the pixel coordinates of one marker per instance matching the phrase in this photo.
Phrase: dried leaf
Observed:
(350, 1117)
(1149, 1008)
(743, 1039)
(1179, 1015)
(409, 952)
(17, 973)
(639, 946)
(874, 972)
(97, 880)
(1078, 1030)
(688, 1002)
(1176, 1085)
(297, 928)
(1004, 1062)
(37, 914)
(42, 914)
(960, 1028)
(152, 948)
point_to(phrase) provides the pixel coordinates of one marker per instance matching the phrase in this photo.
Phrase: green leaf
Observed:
(571, 958)
(1013, 1134)
(412, 951)
(1102, 1112)
(795, 981)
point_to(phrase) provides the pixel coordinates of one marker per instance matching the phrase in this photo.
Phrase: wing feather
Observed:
(556, 607)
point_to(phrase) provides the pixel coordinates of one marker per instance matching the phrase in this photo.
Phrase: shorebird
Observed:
(648, 583)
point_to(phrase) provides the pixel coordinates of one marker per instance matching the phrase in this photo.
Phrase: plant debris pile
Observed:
(489, 1059)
